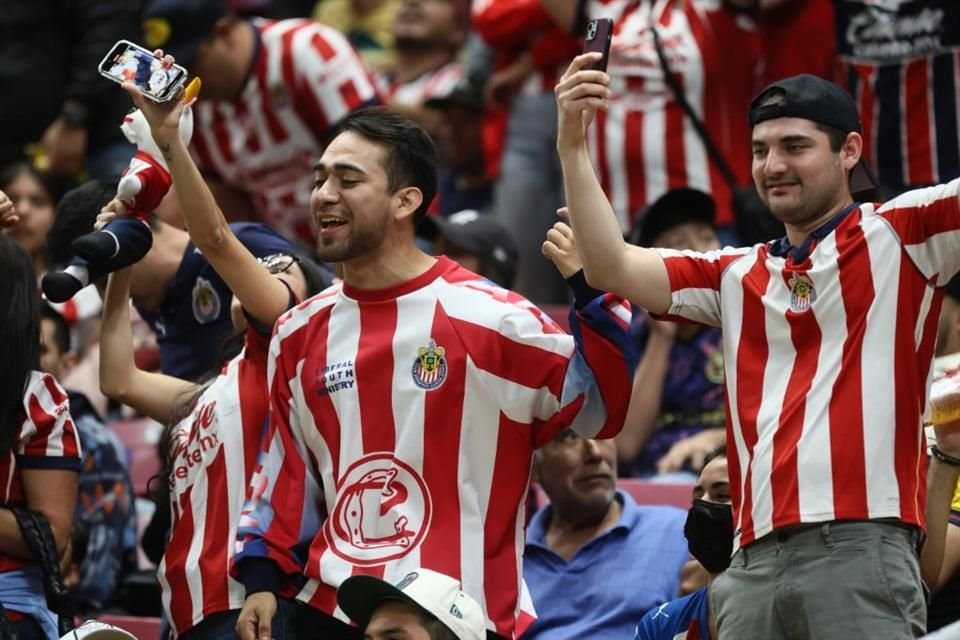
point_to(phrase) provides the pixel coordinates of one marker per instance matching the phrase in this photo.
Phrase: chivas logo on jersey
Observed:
(802, 292)
(206, 302)
(430, 368)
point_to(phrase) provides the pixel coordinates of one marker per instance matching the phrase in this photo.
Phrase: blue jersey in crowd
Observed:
(686, 618)
(610, 581)
(692, 398)
(194, 319)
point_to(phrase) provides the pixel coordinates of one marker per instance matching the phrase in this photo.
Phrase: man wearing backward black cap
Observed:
(828, 339)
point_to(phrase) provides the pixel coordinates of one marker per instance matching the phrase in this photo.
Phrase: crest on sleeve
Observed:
(802, 292)
(430, 367)
(206, 302)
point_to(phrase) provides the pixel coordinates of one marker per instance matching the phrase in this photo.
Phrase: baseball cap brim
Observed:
(359, 596)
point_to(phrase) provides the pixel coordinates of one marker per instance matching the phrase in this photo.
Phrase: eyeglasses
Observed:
(278, 262)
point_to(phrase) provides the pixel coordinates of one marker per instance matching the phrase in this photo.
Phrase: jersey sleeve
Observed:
(695, 283)
(543, 377)
(927, 222)
(48, 438)
(331, 81)
(271, 550)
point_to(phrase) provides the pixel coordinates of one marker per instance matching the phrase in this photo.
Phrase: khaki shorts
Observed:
(843, 580)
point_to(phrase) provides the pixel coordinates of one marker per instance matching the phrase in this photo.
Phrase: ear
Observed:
(851, 150)
(406, 201)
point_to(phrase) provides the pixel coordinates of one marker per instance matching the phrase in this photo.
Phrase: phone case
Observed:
(598, 37)
(156, 79)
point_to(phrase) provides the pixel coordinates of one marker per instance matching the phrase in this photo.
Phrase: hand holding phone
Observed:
(157, 78)
(598, 37)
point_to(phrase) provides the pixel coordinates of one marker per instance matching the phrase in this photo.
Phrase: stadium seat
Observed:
(140, 437)
(142, 628)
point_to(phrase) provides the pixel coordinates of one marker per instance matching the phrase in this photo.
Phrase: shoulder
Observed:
(465, 295)
(301, 36)
(311, 312)
(43, 393)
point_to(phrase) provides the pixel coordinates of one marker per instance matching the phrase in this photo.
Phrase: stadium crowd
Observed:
(411, 320)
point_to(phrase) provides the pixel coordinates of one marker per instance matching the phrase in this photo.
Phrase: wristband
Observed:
(943, 457)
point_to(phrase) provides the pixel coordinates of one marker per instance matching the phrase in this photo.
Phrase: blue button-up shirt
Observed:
(611, 581)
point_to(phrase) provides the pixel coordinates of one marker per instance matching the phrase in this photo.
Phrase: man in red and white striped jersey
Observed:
(415, 393)
(273, 92)
(828, 338)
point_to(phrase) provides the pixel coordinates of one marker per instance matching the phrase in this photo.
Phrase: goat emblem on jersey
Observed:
(382, 511)
(802, 292)
(430, 367)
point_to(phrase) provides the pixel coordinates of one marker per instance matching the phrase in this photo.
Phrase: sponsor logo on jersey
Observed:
(430, 367)
(802, 292)
(382, 511)
(206, 302)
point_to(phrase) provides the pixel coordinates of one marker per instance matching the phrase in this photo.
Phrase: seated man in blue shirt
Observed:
(174, 288)
(709, 532)
(594, 560)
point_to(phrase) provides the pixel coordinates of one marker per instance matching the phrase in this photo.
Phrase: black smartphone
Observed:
(156, 79)
(598, 37)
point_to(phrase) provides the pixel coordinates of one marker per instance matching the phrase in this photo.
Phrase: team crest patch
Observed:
(430, 367)
(206, 302)
(802, 292)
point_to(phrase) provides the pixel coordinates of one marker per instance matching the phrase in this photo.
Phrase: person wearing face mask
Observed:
(709, 533)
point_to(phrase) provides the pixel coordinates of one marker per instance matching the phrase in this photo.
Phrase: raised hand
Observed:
(163, 117)
(561, 248)
(580, 93)
(8, 214)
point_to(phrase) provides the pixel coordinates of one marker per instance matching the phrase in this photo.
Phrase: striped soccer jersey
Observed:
(305, 78)
(900, 60)
(436, 83)
(828, 359)
(46, 439)
(643, 144)
(214, 450)
(417, 409)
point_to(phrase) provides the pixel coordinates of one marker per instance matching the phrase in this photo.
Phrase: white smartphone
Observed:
(156, 79)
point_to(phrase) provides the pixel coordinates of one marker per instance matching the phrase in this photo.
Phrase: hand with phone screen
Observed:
(157, 77)
(584, 87)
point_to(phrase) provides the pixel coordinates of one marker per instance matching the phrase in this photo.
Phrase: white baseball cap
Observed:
(437, 594)
(95, 630)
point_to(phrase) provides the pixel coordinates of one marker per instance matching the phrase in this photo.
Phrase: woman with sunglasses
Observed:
(210, 446)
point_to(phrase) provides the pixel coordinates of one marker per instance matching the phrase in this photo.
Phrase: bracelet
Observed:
(943, 457)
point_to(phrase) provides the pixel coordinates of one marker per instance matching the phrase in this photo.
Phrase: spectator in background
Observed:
(623, 558)
(477, 241)
(423, 605)
(676, 411)
(463, 178)
(34, 196)
(940, 559)
(39, 445)
(272, 94)
(531, 43)
(428, 36)
(367, 24)
(900, 62)
(709, 533)
(183, 299)
(105, 508)
(49, 55)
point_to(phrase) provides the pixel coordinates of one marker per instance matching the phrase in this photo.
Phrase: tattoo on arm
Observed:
(165, 150)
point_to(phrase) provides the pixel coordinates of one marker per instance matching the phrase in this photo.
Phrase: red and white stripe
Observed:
(825, 404)
(436, 83)
(461, 452)
(214, 460)
(305, 78)
(46, 435)
(643, 144)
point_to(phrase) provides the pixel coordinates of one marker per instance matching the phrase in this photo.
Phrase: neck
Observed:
(168, 247)
(569, 531)
(797, 233)
(393, 263)
(413, 63)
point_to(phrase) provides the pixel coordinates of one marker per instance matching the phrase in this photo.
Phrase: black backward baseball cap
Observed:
(813, 98)
(675, 207)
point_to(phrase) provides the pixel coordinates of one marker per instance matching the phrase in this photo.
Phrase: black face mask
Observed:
(709, 533)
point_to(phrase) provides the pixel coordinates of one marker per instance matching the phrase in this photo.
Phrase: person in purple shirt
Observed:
(595, 561)
(709, 533)
(676, 411)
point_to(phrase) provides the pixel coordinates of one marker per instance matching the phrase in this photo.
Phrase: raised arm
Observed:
(610, 264)
(264, 297)
(153, 394)
(939, 558)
